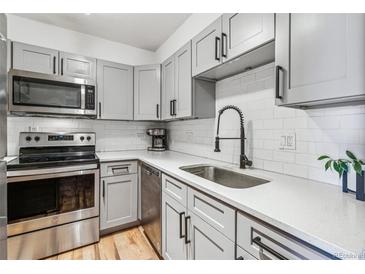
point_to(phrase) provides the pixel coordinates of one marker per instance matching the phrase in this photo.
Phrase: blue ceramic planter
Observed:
(360, 186)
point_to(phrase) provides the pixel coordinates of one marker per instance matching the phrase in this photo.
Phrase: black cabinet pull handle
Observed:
(99, 109)
(278, 94)
(61, 66)
(257, 241)
(187, 241)
(174, 107)
(217, 42)
(158, 111)
(224, 45)
(54, 64)
(240, 258)
(181, 235)
(103, 189)
(171, 103)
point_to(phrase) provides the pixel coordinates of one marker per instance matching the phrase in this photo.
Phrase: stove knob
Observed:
(37, 138)
(88, 138)
(28, 138)
(82, 138)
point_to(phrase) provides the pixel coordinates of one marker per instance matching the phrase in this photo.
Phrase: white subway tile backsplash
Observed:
(318, 131)
(110, 135)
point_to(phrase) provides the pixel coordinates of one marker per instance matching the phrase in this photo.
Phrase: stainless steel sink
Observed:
(224, 177)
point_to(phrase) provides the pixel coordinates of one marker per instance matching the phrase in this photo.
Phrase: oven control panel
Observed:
(43, 139)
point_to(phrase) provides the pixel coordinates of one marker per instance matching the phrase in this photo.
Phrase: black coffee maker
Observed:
(159, 139)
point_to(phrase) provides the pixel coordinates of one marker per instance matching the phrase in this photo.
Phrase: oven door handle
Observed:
(46, 173)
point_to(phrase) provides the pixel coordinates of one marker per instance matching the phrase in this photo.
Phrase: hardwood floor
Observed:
(130, 244)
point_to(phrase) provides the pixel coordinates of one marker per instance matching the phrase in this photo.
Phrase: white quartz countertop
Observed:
(318, 213)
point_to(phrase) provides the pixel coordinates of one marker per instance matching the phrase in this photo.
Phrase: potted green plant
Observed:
(351, 171)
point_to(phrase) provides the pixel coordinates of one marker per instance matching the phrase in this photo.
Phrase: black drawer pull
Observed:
(257, 241)
(187, 241)
(278, 93)
(181, 235)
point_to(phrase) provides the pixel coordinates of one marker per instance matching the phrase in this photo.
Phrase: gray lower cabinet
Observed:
(34, 58)
(206, 243)
(320, 58)
(173, 242)
(77, 66)
(115, 91)
(147, 92)
(242, 32)
(118, 194)
(185, 235)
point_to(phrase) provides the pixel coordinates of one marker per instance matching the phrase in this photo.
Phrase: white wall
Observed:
(191, 27)
(320, 131)
(37, 33)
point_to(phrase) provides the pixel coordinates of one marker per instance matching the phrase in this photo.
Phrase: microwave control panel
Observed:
(90, 97)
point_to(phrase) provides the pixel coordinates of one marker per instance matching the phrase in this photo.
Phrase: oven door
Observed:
(50, 94)
(50, 199)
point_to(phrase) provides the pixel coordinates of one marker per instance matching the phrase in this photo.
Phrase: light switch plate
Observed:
(288, 141)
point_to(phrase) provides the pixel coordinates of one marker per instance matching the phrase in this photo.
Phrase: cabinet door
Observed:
(77, 66)
(115, 91)
(33, 58)
(147, 92)
(183, 82)
(118, 200)
(168, 87)
(206, 48)
(206, 243)
(319, 57)
(243, 32)
(173, 241)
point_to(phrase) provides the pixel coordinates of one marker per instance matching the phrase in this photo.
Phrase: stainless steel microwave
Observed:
(39, 93)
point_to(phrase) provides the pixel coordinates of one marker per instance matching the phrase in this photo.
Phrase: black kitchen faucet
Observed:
(244, 161)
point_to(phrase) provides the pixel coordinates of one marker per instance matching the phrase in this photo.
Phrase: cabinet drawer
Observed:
(215, 213)
(175, 189)
(118, 168)
(243, 254)
(267, 243)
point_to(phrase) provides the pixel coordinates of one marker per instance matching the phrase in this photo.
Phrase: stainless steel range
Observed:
(53, 194)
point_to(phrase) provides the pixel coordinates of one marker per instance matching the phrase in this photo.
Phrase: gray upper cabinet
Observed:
(242, 32)
(168, 87)
(77, 66)
(115, 91)
(50, 61)
(320, 59)
(147, 92)
(183, 82)
(182, 96)
(33, 58)
(206, 48)
(177, 84)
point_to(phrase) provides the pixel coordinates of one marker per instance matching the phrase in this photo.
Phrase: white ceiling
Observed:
(142, 30)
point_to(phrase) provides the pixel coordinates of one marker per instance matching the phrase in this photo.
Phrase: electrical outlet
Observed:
(287, 141)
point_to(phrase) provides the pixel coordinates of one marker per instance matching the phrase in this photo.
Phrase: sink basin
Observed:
(224, 177)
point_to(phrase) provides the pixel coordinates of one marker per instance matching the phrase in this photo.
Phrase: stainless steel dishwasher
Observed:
(151, 205)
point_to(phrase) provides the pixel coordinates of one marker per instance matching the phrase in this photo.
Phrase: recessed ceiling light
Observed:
(87, 13)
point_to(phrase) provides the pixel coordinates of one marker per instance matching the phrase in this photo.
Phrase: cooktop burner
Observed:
(40, 150)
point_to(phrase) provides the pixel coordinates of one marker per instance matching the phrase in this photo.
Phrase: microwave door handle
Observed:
(82, 96)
